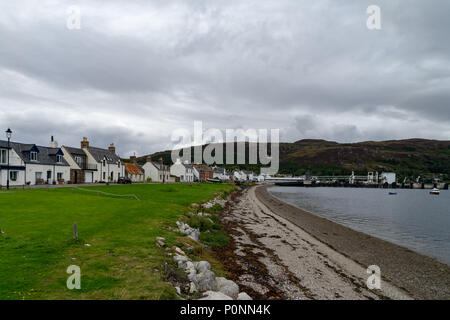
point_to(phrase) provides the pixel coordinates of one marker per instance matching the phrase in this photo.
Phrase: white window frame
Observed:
(59, 158)
(33, 154)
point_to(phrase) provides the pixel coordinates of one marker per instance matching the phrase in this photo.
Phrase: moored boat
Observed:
(435, 191)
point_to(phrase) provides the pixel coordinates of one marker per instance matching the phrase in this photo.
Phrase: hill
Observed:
(411, 157)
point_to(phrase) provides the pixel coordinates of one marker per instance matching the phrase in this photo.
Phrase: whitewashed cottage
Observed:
(30, 164)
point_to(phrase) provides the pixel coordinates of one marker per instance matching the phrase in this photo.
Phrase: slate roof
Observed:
(159, 166)
(46, 156)
(219, 170)
(75, 151)
(100, 154)
(187, 166)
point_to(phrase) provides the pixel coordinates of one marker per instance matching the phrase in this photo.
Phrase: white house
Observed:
(30, 164)
(239, 176)
(80, 170)
(251, 176)
(157, 171)
(90, 164)
(184, 171)
(221, 173)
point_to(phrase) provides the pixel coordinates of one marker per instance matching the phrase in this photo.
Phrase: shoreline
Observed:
(271, 258)
(419, 276)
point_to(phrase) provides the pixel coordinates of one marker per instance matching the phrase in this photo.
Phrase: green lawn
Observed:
(122, 261)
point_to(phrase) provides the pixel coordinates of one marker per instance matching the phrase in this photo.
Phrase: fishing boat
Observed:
(435, 191)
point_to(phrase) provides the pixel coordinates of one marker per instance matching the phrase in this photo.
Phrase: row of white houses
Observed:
(30, 164)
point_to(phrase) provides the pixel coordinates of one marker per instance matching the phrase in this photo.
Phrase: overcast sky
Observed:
(137, 70)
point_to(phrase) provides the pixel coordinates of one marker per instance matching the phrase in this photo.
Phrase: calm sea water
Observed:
(412, 218)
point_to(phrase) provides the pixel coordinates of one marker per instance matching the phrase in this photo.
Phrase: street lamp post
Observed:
(8, 135)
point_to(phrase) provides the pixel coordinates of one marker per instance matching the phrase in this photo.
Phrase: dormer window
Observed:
(58, 158)
(33, 156)
(104, 163)
(118, 164)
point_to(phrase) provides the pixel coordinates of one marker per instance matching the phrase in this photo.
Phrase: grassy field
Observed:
(116, 249)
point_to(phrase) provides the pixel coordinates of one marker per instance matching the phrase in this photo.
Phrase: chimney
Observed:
(112, 148)
(53, 143)
(133, 158)
(149, 158)
(84, 143)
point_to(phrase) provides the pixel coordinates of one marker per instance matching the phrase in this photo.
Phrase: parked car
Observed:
(124, 180)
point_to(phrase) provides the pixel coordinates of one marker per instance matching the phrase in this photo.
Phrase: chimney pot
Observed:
(112, 148)
(84, 143)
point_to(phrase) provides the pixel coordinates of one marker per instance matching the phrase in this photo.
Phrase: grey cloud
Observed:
(145, 68)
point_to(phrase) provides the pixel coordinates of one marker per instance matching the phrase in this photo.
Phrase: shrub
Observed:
(215, 238)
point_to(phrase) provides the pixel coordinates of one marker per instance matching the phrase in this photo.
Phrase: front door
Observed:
(49, 177)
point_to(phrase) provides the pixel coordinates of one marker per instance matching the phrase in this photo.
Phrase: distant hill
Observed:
(411, 157)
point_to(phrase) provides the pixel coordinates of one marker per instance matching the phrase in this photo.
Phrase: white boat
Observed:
(435, 191)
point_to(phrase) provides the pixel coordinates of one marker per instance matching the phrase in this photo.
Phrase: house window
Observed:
(13, 175)
(59, 159)
(38, 175)
(33, 156)
(104, 175)
(104, 163)
(3, 156)
(59, 175)
(118, 164)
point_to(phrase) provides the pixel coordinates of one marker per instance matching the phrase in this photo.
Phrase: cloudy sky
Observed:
(137, 70)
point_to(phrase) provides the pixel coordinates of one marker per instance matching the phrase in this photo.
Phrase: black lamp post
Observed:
(163, 170)
(8, 135)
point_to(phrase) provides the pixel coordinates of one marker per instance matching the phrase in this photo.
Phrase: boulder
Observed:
(192, 288)
(244, 296)
(194, 234)
(202, 266)
(227, 287)
(212, 295)
(206, 281)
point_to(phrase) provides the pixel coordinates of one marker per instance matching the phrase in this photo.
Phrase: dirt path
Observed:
(271, 258)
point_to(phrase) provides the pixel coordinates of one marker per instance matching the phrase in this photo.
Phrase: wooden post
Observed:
(75, 233)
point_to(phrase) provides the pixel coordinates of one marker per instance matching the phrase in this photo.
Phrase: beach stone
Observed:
(244, 296)
(161, 242)
(179, 251)
(206, 281)
(227, 287)
(212, 295)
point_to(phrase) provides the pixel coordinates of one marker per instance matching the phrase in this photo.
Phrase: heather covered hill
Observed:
(411, 157)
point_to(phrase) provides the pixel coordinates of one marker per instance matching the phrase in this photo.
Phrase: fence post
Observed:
(75, 233)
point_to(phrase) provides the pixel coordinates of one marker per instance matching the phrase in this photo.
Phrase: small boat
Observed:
(435, 191)
(392, 193)
(214, 180)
